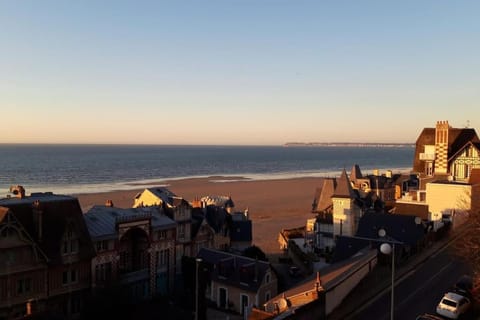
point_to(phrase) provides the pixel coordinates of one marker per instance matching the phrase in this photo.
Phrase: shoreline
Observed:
(220, 178)
(273, 205)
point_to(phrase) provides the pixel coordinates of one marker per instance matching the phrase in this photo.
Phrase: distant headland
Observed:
(348, 144)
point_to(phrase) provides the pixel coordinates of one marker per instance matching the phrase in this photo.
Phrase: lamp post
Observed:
(386, 248)
(197, 264)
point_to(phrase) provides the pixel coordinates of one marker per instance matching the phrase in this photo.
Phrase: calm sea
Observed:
(72, 169)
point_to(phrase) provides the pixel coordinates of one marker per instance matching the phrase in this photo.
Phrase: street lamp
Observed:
(197, 264)
(388, 249)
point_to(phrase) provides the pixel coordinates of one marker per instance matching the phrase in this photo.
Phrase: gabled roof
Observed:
(457, 138)
(344, 188)
(58, 212)
(168, 198)
(469, 143)
(234, 270)
(401, 228)
(101, 221)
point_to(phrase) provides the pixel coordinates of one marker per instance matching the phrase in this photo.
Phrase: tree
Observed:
(469, 248)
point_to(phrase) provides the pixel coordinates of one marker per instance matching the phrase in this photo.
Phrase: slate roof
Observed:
(344, 188)
(398, 227)
(234, 270)
(58, 211)
(356, 173)
(241, 230)
(457, 138)
(217, 217)
(101, 221)
(323, 196)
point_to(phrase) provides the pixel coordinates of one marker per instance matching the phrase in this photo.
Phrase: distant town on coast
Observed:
(348, 144)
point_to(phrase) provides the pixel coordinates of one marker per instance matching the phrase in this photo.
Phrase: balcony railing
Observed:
(427, 156)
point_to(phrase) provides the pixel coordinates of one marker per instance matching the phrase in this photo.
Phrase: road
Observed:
(419, 291)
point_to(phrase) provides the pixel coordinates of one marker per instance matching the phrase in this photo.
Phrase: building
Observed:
(236, 282)
(135, 248)
(445, 161)
(177, 209)
(45, 256)
(447, 153)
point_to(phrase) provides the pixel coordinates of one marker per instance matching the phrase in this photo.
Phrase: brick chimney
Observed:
(18, 190)
(441, 147)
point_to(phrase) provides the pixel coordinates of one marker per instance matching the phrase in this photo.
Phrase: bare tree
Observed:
(469, 248)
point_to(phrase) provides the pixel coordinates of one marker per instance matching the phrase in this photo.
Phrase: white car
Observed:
(453, 305)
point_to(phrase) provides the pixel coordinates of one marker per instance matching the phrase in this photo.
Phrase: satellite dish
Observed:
(282, 304)
(418, 220)
(270, 307)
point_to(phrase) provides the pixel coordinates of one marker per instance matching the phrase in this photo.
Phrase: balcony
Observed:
(427, 156)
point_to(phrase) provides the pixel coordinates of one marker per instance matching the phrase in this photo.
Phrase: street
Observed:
(419, 291)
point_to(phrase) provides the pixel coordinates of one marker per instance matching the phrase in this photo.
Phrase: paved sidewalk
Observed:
(379, 280)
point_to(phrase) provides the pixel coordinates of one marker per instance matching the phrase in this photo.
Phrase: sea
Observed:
(74, 169)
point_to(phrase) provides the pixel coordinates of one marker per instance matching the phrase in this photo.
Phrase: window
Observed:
(162, 258)
(24, 286)
(70, 243)
(102, 245)
(181, 231)
(69, 277)
(103, 272)
(162, 234)
(267, 278)
(267, 295)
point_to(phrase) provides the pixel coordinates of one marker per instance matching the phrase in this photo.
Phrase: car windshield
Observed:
(449, 302)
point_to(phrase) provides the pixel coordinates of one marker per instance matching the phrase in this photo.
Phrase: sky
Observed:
(236, 72)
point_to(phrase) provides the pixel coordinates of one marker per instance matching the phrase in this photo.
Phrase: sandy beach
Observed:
(272, 204)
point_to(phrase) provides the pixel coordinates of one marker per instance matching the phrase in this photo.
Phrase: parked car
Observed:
(453, 305)
(427, 316)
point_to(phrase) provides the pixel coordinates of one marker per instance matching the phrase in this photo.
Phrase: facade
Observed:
(135, 248)
(445, 161)
(346, 208)
(177, 209)
(45, 256)
(238, 283)
(444, 151)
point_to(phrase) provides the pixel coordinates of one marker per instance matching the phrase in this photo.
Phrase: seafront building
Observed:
(134, 247)
(45, 256)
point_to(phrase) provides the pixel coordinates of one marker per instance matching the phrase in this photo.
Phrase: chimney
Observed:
(109, 203)
(441, 147)
(18, 190)
(37, 212)
(245, 213)
(389, 174)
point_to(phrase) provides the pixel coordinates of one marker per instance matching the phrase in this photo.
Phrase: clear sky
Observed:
(236, 71)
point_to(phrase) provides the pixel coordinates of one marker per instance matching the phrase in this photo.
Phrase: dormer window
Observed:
(70, 242)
